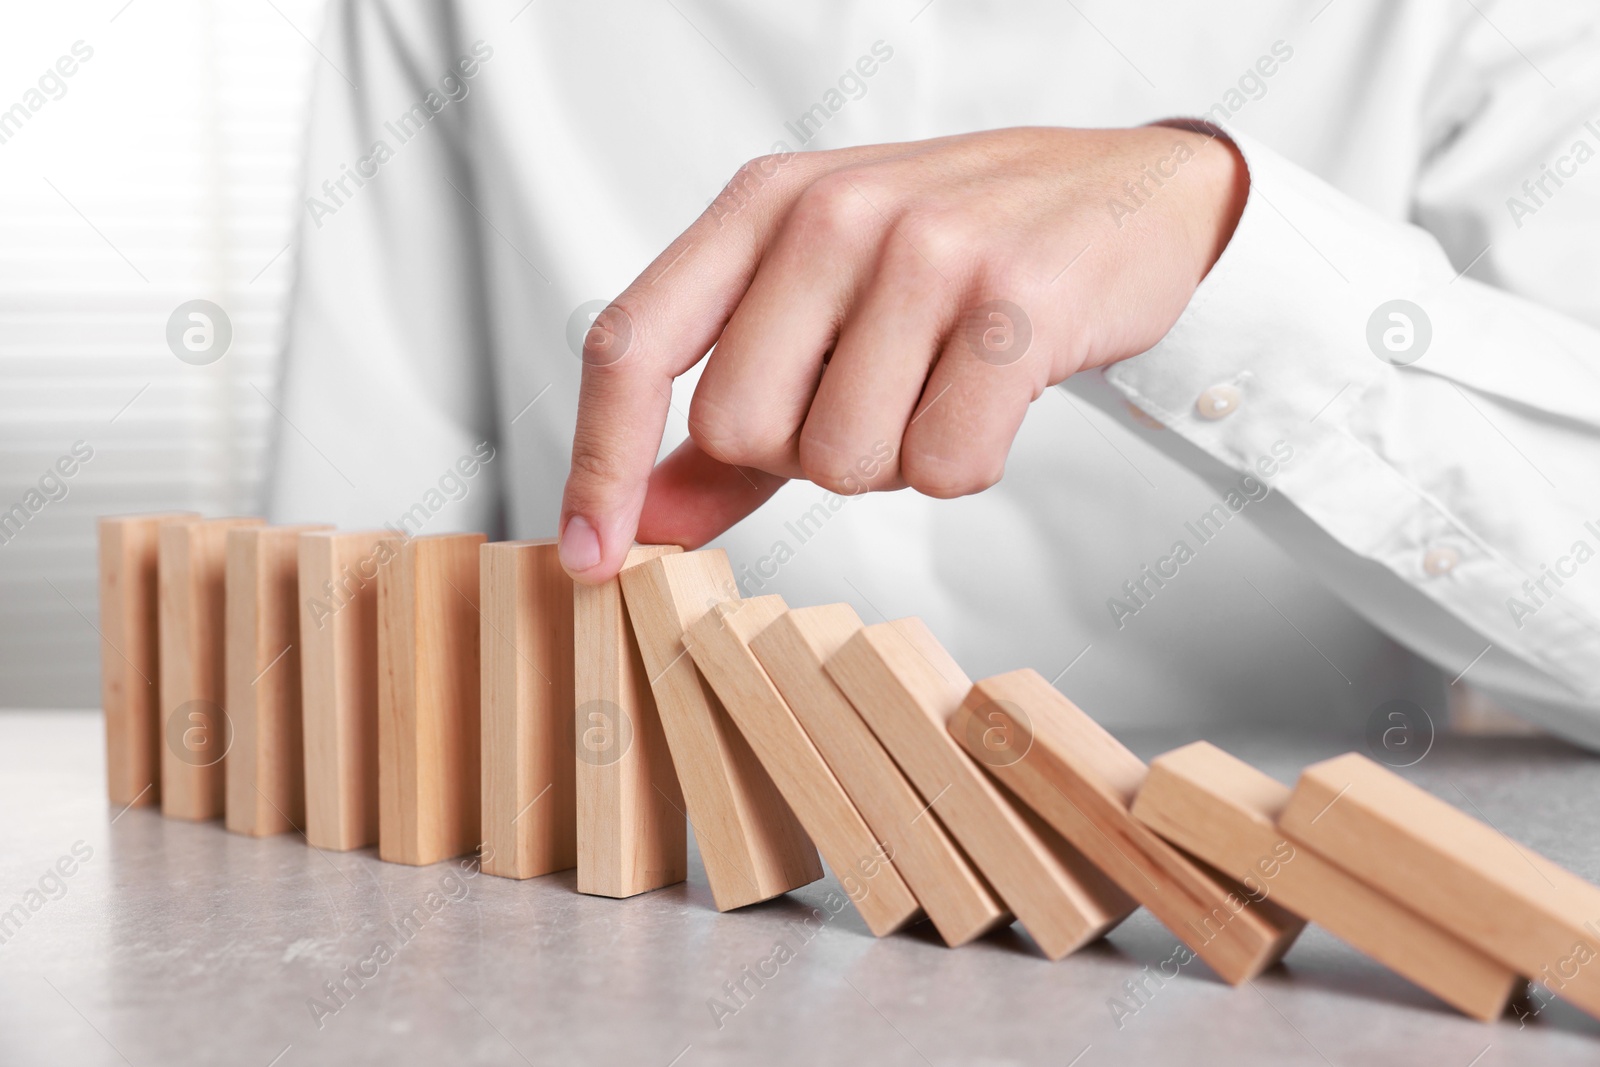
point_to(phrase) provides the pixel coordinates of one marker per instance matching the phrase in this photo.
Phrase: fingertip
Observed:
(580, 552)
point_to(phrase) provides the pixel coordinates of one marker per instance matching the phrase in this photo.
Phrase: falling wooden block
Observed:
(632, 836)
(1224, 811)
(339, 683)
(265, 780)
(1517, 907)
(195, 730)
(720, 645)
(905, 685)
(1081, 781)
(529, 821)
(752, 845)
(793, 649)
(428, 679)
(130, 655)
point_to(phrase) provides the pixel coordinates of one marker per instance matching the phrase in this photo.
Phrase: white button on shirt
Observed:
(441, 299)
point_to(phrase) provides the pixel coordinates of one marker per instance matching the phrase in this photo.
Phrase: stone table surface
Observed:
(174, 943)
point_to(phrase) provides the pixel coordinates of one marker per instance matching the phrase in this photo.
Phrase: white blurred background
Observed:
(163, 169)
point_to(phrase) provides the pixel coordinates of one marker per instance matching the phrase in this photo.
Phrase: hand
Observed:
(882, 317)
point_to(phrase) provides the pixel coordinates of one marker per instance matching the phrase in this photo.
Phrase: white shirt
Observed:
(1420, 516)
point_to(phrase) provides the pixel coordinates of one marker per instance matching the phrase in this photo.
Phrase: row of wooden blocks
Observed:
(440, 695)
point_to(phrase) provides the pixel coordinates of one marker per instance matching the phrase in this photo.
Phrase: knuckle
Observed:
(592, 463)
(832, 206)
(940, 238)
(843, 469)
(730, 437)
(943, 478)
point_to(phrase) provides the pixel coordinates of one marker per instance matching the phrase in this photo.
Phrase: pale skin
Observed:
(882, 317)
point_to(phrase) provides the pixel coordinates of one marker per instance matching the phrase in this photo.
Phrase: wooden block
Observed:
(1529, 914)
(752, 845)
(1081, 781)
(792, 650)
(720, 644)
(195, 730)
(265, 788)
(1224, 811)
(428, 679)
(339, 683)
(130, 656)
(905, 685)
(529, 821)
(632, 836)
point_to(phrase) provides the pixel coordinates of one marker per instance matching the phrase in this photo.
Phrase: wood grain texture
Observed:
(529, 817)
(428, 680)
(265, 789)
(632, 835)
(1081, 781)
(339, 683)
(752, 845)
(954, 895)
(130, 655)
(720, 644)
(1225, 812)
(195, 730)
(1500, 896)
(905, 685)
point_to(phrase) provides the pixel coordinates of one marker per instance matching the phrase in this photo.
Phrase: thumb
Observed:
(692, 498)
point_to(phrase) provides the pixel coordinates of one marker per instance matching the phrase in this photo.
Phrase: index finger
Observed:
(659, 327)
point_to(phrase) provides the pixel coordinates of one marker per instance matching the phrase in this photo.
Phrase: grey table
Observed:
(180, 943)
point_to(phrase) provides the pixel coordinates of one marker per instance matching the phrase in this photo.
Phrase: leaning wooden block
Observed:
(265, 788)
(793, 649)
(1224, 811)
(529, 823)
(1532, 916)
(1081, 781)
(428, 679)
(130, 655)
(905, 685)
(720, 645)
(751, 843)
(195, 730)
(632, 836)
(339, 683)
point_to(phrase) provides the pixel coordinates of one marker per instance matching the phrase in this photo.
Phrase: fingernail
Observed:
(580, 545)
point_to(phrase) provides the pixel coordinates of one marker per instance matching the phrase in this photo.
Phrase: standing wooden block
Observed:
(1534, 917)
(339, 683)
(265, 789)
(529, 819)
(1224, 811)
(631, 831)
(720, 645)
(428, 679)
(195, 730)
(905, 685)
(1081, 781)
(130, 655)
(792, 650)
(751, 843)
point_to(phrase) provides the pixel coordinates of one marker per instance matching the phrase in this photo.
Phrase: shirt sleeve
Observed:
(1433, 428)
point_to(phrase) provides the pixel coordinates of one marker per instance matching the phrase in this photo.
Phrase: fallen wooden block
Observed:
(720, 645)
(339, 683)
(1224, 811)
(905, 685)
(428, 679)
(752, 845)
(1081, 781)
(130, 655)
(632, 835)
(529, 819)
(1529, 914)
(195, 729)
(265, 780)
(793, 649)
